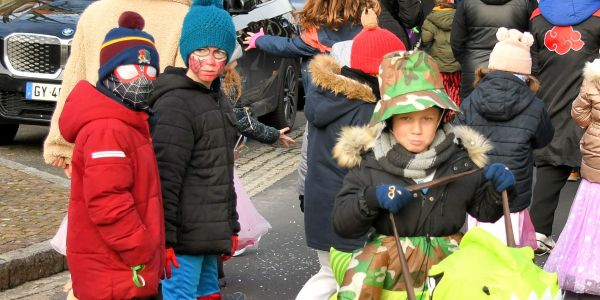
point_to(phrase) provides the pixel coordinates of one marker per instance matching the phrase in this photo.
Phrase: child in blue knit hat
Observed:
(194, 134)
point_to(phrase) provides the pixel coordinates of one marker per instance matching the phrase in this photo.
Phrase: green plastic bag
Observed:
(484, 268)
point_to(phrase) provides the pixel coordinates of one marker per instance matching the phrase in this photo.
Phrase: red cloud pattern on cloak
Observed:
(561, 39)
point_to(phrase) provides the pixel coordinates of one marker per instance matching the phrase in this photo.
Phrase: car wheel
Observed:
(8, 133)
(287, 98)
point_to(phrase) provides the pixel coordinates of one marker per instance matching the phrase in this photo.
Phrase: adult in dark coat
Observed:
(474, 32)
(398, 16)
(566, 37)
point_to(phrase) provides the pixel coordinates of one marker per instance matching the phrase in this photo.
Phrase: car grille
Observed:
(34, 55)
(13, 104)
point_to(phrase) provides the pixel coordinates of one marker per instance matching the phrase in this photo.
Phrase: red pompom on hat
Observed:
(371, 44)
(127, 44)
(132, 20)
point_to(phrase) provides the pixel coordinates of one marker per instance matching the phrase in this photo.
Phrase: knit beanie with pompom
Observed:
(207, 24)
(511, 53)
(127, 44)
(371, 44)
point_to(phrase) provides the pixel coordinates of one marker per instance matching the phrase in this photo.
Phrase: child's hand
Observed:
(251, 39)
(286, 140)
(171, 259)
(500, 176)
(392, 197)
(234, 243)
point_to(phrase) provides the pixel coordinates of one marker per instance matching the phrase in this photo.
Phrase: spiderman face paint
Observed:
(207, 65)
(132, 84)
(131, 73)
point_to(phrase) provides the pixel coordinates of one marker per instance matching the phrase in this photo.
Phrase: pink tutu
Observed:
(253, 224)
(576, 256)
(522, 228)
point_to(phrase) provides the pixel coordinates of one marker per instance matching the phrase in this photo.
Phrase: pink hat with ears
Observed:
(511, 53)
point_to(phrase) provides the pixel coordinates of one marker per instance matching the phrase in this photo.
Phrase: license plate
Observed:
(42, 91)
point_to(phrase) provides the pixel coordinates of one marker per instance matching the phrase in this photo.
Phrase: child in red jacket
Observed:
(115, 235)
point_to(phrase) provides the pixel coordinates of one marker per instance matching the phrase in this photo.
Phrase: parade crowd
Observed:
(421, 116)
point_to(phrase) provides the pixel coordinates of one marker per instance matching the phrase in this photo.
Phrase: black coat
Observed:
(474, 32)
(326, 113)
(560, 72)
(504, 110)
(193, 134)
(440, 212)
(399, 15)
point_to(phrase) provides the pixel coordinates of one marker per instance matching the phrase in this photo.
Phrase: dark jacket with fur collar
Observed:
(440, 212)
(332, 102)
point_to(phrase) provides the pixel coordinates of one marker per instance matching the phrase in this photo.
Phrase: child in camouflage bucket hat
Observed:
(408, 143)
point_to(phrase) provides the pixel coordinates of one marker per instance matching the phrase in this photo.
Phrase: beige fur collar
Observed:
(325, 73)
(354, 140)
(591, 72)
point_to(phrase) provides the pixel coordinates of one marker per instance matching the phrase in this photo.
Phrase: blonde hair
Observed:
(532, 82)
(232, 83)
(337, 12)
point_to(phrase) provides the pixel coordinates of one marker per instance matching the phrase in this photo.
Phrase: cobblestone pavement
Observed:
(32, 206)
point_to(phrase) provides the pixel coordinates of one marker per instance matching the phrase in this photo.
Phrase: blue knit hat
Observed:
(127, 45)
(207, 25)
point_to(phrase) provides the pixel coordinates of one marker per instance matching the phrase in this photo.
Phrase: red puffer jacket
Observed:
(115, 211)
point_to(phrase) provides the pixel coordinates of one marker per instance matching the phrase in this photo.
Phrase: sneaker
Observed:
(222, 282)
(240, 252)
(574, 177)
(234, 296)
(545, 243)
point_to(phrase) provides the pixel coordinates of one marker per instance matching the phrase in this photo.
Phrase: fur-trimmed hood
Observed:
(591, 72)
(326, 74)
(353, 141)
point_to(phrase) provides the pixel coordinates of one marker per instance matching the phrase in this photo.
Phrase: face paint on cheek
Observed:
(205, 70)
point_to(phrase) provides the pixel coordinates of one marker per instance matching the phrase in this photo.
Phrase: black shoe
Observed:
(222, 282)
(234, 296)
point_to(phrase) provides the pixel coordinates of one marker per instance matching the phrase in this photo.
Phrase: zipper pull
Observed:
(246, 109)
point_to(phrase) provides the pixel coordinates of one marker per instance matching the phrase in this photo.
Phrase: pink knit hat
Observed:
(511, 53)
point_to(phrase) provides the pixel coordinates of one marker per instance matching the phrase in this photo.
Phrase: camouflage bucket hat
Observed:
(409, 81)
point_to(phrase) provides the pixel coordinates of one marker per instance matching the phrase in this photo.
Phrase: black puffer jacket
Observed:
(440, 212)
(399, 15)
(508, 114)
(193, 134)
(474, 32)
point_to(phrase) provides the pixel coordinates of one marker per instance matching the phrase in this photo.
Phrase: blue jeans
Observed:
(196, 276)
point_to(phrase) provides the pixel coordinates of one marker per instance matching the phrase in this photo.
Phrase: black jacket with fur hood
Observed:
(333, 101)
(439, 212)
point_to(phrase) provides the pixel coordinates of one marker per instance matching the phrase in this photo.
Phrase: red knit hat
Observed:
(371, 44)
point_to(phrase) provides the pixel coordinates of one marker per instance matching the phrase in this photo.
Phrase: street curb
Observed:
(30, 263)
(38, 260)
(35, 172)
